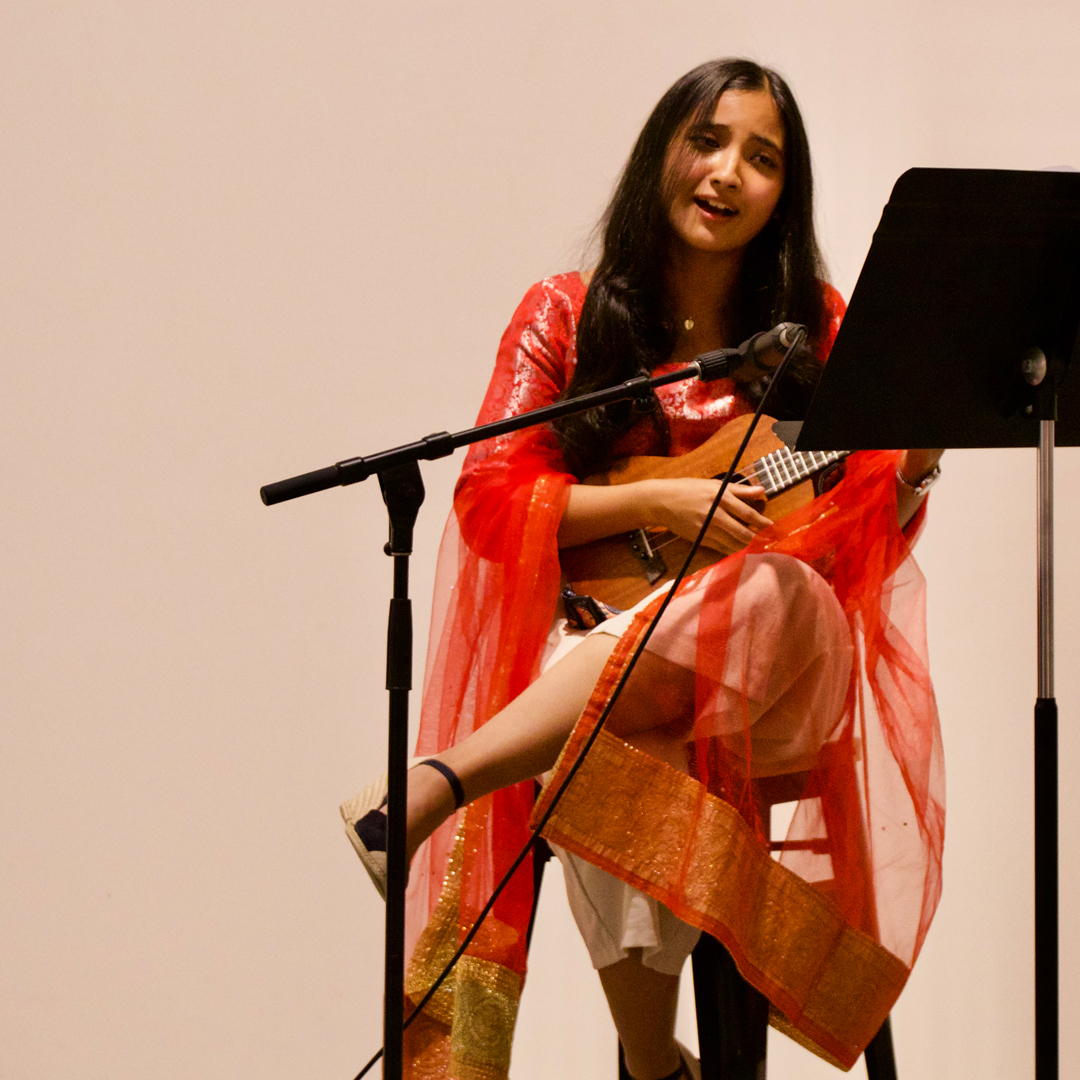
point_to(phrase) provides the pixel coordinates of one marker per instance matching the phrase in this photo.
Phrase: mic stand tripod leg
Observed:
(403, 493)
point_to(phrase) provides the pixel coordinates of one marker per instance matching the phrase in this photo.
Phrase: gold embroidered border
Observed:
(662, 832)
(437, 944)
(466, 1030)
(486, 999)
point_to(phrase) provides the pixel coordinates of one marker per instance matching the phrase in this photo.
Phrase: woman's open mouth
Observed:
(714, 210)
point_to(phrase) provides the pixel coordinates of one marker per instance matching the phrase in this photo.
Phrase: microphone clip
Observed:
(717, 364)
(754, 358)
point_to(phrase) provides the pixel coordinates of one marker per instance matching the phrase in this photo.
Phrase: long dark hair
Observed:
(624, 328)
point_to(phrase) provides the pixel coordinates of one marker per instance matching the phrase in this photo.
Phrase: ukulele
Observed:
(621, 570)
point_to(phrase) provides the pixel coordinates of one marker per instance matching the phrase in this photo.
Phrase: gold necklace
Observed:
(688, 324)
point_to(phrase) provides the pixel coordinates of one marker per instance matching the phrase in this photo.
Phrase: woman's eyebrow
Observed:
(768, 142)
(709, 126)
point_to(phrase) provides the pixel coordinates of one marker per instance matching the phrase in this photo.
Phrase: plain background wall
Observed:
(241, 240)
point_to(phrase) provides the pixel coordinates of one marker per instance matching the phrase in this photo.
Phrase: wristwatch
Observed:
(924, 485)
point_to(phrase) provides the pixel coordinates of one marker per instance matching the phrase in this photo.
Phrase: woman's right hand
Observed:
(682, 505)
(679, 505)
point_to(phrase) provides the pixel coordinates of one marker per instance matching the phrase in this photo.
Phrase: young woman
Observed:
(798, 661)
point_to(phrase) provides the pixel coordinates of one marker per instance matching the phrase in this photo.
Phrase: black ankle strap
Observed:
(681, 1073)
(451, 779)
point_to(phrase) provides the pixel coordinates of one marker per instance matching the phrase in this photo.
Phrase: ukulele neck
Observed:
(784, 468)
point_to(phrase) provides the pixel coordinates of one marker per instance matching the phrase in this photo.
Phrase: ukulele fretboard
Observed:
(783, 469)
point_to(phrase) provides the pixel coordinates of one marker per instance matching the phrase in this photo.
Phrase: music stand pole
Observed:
(1046, 778)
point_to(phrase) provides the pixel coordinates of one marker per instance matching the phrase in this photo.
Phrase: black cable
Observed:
(595, 733)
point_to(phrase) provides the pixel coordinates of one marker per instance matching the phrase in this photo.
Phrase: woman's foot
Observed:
(431, 800)
(365, 826)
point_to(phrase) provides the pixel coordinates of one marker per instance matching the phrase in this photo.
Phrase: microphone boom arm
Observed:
(718, 364)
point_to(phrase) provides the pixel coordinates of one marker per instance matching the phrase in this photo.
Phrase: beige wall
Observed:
(240, 240)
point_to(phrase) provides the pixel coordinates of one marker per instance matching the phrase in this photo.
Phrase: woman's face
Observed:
(725, 175)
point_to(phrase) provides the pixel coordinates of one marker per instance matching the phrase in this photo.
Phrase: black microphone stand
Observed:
(403, 492)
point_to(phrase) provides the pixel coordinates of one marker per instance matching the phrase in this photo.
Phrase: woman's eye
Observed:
(706, 142)
(767, 160)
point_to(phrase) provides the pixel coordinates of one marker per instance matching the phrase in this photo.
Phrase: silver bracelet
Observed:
(924, 485)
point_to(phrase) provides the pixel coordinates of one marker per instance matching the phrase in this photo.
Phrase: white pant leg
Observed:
(611, 915)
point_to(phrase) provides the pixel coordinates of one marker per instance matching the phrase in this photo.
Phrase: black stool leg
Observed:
(880, 1061)
(733, 1023)
(732, 1017)
(541, 854)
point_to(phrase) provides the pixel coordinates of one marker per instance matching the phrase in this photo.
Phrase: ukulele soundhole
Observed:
(652, 562)
(829, 477)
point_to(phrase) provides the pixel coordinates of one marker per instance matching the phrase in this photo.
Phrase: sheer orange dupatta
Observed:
(827, 924)
(495, 594)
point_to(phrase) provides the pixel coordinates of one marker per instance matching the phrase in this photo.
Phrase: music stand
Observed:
(960, 333)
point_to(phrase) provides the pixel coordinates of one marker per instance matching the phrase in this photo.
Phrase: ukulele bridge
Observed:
(652, 562)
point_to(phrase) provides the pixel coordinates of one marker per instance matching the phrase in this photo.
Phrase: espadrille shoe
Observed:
(366, 821)
(365, 826)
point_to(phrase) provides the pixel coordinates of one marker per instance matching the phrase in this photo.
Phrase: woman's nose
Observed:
(726, 170)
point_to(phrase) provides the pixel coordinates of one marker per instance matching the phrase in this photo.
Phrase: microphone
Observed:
(754, 358)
